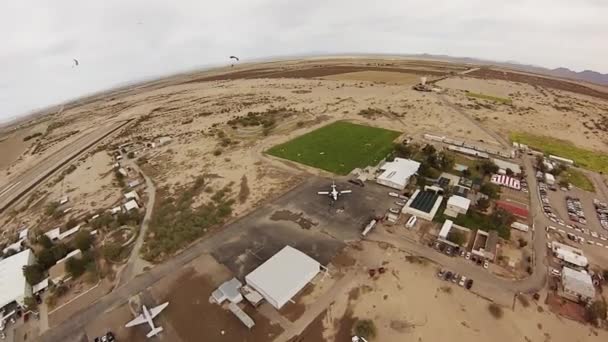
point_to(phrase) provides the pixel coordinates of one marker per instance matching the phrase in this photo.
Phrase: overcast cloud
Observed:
(118, 41)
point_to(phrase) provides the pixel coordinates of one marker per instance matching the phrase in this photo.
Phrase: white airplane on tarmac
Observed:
(146, 317)
(334, 193)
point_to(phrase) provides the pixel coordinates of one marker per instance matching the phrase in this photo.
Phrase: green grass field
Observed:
(490, 98)
(591, 160)
(338, 147)
(578, 179)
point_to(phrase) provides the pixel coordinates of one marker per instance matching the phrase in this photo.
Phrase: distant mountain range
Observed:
(586, 76)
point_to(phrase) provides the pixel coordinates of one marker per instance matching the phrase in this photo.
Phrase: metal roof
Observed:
(13, 286)
(283, 275)
(578, 282)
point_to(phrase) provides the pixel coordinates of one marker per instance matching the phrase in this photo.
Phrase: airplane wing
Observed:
(136, 321)
(156, 310)
(323, 192)
(346, 191)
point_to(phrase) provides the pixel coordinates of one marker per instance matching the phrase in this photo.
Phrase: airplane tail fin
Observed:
(154, 332)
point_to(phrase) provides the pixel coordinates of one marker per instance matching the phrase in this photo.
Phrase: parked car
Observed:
(440, 274)
(400, 203)
(394, 211)
(393, 194)
(447, 276)
(556, 272)
(468, 256)
(468, 284)
(486, 264)
(455, 278)
(462, 281)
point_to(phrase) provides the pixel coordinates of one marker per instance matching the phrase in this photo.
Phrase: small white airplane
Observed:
(146, 317)
(334, 193)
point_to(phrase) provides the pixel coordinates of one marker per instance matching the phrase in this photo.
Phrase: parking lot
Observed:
(302, 219)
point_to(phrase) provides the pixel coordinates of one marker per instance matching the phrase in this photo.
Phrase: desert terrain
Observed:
(204, 134)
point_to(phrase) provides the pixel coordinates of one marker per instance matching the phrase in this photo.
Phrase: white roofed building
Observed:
(504, 165)
(577, 285)
(282, 276)
(445, 229)
(549, 178)
(132, 195)
(13, 286)
(396, 174)
(457, 205)
(132, 204)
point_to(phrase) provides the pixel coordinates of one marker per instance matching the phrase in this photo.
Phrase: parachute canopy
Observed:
(234, 57)
(75, 62)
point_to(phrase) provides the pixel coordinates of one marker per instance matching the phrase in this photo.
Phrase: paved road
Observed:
(136, 264)
(21, 184)
(74, 326)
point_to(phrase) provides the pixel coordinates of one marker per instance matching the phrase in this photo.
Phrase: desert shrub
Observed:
(217, 152)
(523, 300)
(365, 328)
(495, 310)
(596, 312)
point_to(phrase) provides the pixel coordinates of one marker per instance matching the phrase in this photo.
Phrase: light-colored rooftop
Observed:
(398, 171)
(578, 282)
(459, 201)
(283, 275)
(445, 229)
(13, 286)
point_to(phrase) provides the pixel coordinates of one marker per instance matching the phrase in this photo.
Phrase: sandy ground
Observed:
(535, 109)
(408, 303)
(194, 108)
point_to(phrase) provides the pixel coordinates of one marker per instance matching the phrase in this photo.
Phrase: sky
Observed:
(118, 41)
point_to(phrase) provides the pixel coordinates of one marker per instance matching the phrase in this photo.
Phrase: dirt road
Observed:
(22, 184)
(136, 264)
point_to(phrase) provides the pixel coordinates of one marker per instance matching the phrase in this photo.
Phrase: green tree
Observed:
(490, 190)
(456, 237)
(404, 151)
(365, 328)
(46, 258)
(59, 250)
(429, 150)
(445, 161)
(509, 172)
(466, 173)
(33, 274)
(45, 241)
(83, 240)
(30, 303)
(75, 267)
(540, 164)
(111, 251)
(488, 167)
(483, 204)
(131, 155)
